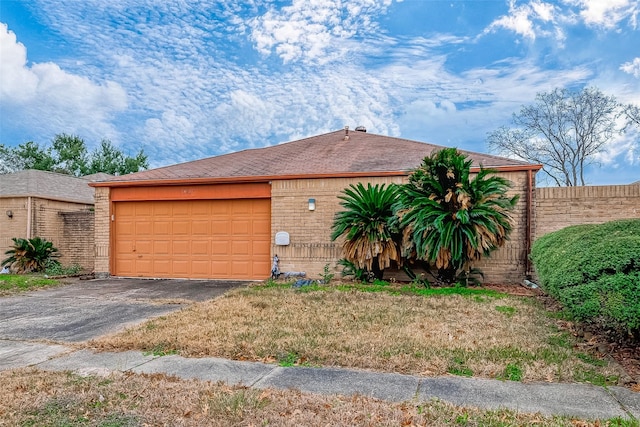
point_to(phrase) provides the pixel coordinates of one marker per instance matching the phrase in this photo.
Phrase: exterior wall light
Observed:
(9, 214)
(312, 204)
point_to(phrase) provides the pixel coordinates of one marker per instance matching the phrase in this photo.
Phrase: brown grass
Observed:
(407, 334)
(29, 397)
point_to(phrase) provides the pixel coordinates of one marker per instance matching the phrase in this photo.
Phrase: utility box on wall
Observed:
(282, 238)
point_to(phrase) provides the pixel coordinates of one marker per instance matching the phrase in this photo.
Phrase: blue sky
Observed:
(190, 79)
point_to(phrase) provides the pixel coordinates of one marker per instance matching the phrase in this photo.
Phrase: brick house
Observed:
(219, 217)
(50, 205)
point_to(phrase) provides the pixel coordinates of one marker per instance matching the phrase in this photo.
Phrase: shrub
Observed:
(594, 271)
(31, 255)
(450, 219)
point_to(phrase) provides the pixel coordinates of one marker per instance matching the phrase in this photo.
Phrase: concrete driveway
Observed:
(88, 309)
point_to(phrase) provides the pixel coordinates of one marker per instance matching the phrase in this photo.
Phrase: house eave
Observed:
(268, 178)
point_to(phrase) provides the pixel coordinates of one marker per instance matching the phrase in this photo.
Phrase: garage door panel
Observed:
(180, 268)
(162, 209)
(143, 247)
(143, 267)
(220, 227)
(162, 247)
(162, 228)
(260, 248)
(201, 227)
(162, 266)
(189, 238)
(221, 267)
(200, 247)
(143, 228)
(240, 269)
(239, 248)
(181, 228)
(200, 268)
(124, 247)
(180, 247)
(142, 210)
(179, 209)
(126, 227)
(241, 227)
(221, 247)
(201, 208)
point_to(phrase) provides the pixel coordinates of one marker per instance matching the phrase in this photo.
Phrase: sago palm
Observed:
(28, 255)
(450, 220)
(370, 241)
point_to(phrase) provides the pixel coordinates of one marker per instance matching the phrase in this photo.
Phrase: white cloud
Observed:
(312, 31)
(70, 103)
(632, 67)
(528, 20)
(607, 13)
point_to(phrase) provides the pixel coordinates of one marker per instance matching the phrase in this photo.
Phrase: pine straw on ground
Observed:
(29, 397)
(494, 337)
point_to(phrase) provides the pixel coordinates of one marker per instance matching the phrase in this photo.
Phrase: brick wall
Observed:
(12, 227)
(559, 207)
(73, 238)
(102, 228)
(311, 247)
(77, 241)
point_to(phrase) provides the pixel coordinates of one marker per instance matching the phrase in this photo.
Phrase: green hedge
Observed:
(594, 271)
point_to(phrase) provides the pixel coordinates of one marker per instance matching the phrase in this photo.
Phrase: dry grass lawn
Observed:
(34, 398)
(486, 336)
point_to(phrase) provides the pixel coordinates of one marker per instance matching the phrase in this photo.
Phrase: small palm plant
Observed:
(31, 255)
(450, 220)
(371, 243)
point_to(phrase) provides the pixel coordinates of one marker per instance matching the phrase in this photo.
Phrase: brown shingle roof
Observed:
(46, 185)
(327, 154)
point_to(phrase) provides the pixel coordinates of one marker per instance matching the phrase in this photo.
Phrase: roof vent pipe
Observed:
(361, 129)
(346, 133)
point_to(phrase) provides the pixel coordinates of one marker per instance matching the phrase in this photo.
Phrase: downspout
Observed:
(528, 232)
(29, 215)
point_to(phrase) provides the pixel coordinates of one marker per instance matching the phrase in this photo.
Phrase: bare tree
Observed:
(633, 114)
(561, 131)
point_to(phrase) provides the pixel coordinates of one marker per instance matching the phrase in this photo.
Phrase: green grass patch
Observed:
(161, 350)
(12, 283)
(587, 358)
(479, 294)
(509, 311)
(512, 372)
(458, 367)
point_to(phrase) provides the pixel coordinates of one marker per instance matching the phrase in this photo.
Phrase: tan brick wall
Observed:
(102, 229)
(12, 227)
(311, 247)
(560, 207)
(77, 240)
(74, 239)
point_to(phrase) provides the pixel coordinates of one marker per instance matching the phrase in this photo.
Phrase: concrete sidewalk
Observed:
(578, 400)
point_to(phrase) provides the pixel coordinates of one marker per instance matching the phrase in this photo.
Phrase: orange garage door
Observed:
(218, 239)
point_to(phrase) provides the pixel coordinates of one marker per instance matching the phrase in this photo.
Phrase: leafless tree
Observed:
(561, 131)
(633, 114)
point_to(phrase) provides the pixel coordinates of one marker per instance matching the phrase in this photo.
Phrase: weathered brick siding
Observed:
(311, 248)
(102, 228)
(68, 225)
(560, 207)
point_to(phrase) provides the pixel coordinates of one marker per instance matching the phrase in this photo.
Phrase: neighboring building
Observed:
(53, 206)
(218, 217)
